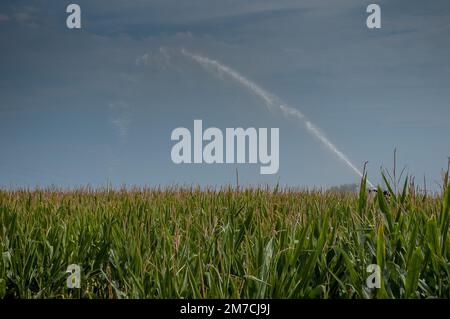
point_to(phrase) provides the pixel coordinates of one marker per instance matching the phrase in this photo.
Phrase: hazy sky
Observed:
(98, 105)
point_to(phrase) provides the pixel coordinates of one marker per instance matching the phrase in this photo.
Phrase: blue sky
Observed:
(83, 107)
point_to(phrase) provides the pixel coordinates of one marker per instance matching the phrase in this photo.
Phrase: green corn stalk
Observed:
(412, 276)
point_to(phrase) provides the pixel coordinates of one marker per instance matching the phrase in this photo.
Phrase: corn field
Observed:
(224, 243)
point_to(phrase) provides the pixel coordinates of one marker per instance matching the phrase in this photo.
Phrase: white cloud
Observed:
(159, 59)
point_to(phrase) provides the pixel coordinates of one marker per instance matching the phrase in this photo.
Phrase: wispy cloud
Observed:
(121, 123)
(158, 60)
(120, 118)
(27, 17)
(164, 58)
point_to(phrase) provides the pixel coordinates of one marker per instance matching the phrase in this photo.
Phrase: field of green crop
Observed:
(254, 243)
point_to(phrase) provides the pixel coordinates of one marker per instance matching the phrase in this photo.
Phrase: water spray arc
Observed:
(273, 103)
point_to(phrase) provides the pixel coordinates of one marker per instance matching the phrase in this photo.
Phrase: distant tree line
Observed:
(345, 188)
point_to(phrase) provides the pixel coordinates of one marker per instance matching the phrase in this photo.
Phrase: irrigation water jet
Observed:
(272, 102)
